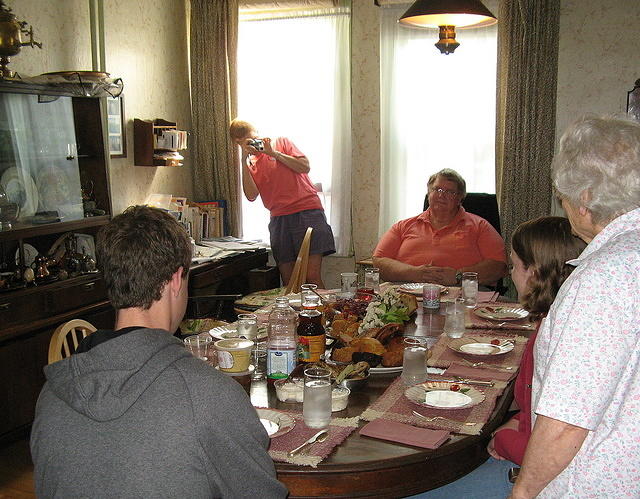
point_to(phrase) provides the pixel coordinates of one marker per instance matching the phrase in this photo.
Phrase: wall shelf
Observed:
(145, 152)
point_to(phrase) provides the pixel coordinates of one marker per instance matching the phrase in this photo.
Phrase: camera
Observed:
(256, 143)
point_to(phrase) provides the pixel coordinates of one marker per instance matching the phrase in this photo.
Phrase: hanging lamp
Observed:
(447, 15)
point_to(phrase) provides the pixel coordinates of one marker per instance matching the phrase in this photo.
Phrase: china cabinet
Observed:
(54, 197)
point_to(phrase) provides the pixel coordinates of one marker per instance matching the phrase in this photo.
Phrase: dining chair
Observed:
(67, 337)
(212, 306)
(299, 274)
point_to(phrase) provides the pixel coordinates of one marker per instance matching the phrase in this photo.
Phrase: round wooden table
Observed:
(367, 467)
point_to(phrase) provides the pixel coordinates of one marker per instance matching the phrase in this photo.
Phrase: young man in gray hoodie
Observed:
(132, 413)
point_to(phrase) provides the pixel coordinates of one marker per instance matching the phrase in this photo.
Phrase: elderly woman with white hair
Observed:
(586, 383)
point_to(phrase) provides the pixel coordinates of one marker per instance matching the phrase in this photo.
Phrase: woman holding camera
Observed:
(278, 172)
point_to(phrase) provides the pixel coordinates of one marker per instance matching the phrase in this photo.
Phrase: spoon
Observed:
(489, 366)
(321, 436)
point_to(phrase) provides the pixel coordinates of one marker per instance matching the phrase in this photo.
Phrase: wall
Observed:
(146, 46)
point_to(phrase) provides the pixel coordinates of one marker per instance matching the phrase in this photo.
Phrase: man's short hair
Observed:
(239, 129)
(138, 252)
(452, 176)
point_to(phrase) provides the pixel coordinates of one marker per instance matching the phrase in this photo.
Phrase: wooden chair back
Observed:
(67, 337)
(299, 274)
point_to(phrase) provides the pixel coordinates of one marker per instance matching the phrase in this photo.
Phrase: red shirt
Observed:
(467, 240)
(511, 444)
(282, 190)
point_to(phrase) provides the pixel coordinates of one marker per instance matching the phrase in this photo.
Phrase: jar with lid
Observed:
(311, 336)
(281, 341)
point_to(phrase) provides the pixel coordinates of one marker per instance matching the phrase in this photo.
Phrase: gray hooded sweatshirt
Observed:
(138, 416)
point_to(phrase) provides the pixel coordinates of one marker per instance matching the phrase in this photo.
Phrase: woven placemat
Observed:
(339, 430)
(394, 405)
(442, 356)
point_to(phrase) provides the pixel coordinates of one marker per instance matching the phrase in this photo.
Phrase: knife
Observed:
(464, 381)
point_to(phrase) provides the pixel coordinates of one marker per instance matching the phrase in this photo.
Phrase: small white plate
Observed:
(501, 313)
(217, 332)
(275, 422)
(415, 288)
(438, 395)
(480, 349)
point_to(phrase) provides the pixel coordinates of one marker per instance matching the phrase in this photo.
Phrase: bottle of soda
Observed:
(311, 336)
(281, 341)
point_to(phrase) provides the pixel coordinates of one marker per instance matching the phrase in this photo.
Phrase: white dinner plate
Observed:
(479, 348)
(438, 395)
(229, 331)
(275, 422)
(415, 288)
(501, 312)
(20, 189)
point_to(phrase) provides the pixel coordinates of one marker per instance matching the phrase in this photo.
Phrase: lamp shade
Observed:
(459, 13)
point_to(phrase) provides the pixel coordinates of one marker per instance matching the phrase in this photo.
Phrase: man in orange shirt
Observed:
(443, 242)
(278, 172)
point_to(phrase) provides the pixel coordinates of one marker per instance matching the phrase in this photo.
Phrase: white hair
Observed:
(598, 166)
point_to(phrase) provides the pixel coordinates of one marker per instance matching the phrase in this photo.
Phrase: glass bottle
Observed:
(281, 342)
(311, 336)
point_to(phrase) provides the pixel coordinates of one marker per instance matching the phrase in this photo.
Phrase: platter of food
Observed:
(440, 395)
(481, 348)
(415, 288)
(275, 422)
(501, 313)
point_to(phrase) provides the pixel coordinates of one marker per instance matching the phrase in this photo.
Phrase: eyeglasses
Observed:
(445, 192)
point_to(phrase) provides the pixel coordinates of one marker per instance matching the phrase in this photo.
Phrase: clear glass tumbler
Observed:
(372, 279)
(248, 326)
(470, 289)
(199, 344)
(349, 283)
(414, 361)
(454, 322)
(316, 406)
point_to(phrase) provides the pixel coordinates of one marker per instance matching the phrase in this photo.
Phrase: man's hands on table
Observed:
(552, 446)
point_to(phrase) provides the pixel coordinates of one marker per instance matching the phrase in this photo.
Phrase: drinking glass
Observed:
(316, 406)
(454, 322)
(431, 296)
(248, 326)
(372, 279)
(198, 345)
(414, 361)
(349, 283)
(470, 289)
(259, 361)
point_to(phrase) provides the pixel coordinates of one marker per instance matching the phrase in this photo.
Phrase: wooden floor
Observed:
(16, 471)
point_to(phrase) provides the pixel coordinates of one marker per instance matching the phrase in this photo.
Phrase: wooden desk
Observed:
(366, 467)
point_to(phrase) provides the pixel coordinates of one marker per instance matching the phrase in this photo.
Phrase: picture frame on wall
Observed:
(633, 101)
(116, 127)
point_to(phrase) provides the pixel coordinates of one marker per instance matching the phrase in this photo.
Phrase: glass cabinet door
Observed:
(38, 158)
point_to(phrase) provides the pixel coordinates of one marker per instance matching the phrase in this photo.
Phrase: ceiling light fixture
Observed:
(447, 15)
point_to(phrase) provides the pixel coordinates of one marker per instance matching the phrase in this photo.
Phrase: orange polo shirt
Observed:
(282, 190)
(467, 240)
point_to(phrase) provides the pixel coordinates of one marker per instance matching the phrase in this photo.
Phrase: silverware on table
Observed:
(434, 418)
(488, 366)
(321, 436)
(458, 379)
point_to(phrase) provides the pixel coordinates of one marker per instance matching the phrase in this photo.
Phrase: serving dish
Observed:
(501, 313)
(438, 395)
(275, 422)
(479, 348)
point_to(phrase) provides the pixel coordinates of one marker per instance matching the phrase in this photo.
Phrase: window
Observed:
(293, 81)
(437, 111)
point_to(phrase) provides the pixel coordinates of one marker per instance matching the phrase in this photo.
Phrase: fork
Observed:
(488, 366)
(427, 418)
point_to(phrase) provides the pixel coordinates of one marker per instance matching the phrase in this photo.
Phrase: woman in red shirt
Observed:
(540, 249)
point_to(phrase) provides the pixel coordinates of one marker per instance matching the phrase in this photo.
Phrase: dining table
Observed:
(361, 466)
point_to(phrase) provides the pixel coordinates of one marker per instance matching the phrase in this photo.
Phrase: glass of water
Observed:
(372, 279)
(470, 289)
(454, 322)
(414, 361)
(316, 404)
(248, 326)
(349, 282)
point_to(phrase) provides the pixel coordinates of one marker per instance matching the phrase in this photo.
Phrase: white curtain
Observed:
(293, 81)
(437, 111)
